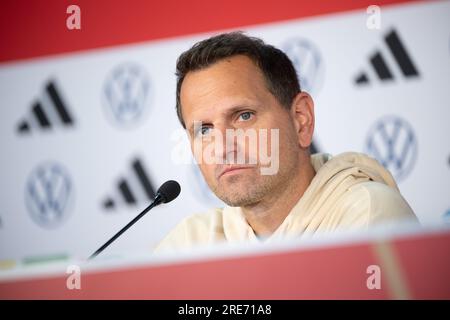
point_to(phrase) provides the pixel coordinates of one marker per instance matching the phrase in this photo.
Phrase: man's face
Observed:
(232, 94)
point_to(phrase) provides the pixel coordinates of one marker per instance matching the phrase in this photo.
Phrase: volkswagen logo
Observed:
(308, 62)
(446, 217)
(48, 193)
(392, 141)
(126, 94)
(200, 188)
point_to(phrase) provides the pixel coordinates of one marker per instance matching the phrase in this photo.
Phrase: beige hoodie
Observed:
(349, 191)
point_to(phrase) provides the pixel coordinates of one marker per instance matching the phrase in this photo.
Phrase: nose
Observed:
(226, 144)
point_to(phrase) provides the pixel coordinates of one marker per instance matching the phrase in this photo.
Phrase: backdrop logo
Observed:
(126, 94)
(380, 66)
(47, 112)
(392, 141)
(48, 194)
(446, 217)
(307, 61)
(200, 188)
(313, 148)
(133, 188)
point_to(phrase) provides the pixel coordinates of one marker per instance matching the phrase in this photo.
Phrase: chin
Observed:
(237, 197)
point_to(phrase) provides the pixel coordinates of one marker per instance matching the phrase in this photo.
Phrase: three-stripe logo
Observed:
(380, 67)
(47, 112)
(137, 187)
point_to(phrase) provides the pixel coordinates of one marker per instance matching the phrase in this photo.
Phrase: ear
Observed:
(302, 111)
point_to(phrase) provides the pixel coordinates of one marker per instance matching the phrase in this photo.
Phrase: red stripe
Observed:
(426, 280)
(335, 272)
(33, 28)
(329, 273)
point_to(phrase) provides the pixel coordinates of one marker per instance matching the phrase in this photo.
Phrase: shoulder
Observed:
(371, 203)
(196, 229)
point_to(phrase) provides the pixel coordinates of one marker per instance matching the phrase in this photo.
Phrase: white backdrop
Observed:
(55, 181)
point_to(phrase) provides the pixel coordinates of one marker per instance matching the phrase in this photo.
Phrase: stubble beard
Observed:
(248, 190)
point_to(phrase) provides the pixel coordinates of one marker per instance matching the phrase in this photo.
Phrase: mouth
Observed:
(233, 170)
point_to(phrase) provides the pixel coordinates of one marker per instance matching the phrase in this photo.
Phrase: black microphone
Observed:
(166, 193)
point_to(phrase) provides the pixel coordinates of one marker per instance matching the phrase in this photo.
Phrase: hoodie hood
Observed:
(354, 164)
(334, 178)
(318, 205)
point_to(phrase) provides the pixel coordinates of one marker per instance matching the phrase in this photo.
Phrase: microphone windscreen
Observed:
(169, 191)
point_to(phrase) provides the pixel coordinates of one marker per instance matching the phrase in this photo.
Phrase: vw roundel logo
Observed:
(307, 61)
(446, 217)
(392, 141)
(200, 188)
(48, 194)
(126, 94)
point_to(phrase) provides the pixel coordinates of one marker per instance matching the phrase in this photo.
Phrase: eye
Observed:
(204, 130)
(245, 116)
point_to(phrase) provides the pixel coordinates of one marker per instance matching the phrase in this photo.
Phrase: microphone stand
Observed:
(158, 200)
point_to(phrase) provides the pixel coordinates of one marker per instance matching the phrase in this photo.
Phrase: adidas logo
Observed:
(380, 66)
(313, 148)
(137, 187)
(49, 111)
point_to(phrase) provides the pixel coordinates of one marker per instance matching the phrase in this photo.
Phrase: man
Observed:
(235, 82)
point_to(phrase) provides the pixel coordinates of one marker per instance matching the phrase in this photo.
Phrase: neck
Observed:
(267, 215)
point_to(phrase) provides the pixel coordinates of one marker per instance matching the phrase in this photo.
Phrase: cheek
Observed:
(206, 151)
(280, 136)
(289, 132)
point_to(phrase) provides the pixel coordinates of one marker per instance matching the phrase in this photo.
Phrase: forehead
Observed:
(232, 80)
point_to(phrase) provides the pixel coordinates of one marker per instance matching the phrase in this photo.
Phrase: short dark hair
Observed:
(278, 70)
